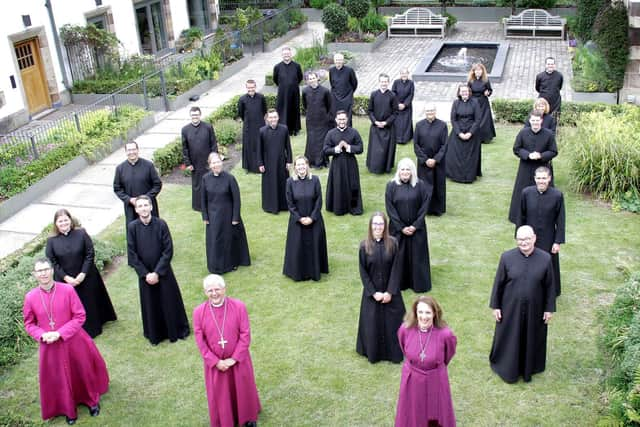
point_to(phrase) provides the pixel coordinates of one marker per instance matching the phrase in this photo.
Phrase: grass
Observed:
(303, 334)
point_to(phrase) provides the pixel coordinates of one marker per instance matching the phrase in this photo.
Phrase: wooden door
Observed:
(33, 79)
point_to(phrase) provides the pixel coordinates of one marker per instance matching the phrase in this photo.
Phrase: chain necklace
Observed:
(222, 341)
(49, 311)
(423, 348)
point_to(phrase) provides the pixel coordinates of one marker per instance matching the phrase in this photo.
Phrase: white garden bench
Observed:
(536, 23)
(417, 22)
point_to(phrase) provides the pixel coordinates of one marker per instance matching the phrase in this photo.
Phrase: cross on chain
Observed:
(222, 342)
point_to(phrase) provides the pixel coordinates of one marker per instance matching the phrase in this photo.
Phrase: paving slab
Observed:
(95, 175)
(79, 195)
(154, 140)
(167, 127)
(12, 240)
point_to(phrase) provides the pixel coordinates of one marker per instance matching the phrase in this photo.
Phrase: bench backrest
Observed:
(418, 15)
(533, 17)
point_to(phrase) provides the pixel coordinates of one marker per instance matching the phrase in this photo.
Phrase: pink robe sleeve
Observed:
(244, 335)
(78, 316)
(30, 322)
(402, 338)
(450, 342)
(210, 359)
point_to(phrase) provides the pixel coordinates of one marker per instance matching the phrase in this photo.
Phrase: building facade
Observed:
(631, 90)
(36, 67)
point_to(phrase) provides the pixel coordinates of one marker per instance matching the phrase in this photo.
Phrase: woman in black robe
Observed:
(480, 87)
(71, 252)
(382, 308)
(407, 200)
(226, 238)
(305, 255)
(404, 89)
(430, 146)
(463, 148)
(549, 122)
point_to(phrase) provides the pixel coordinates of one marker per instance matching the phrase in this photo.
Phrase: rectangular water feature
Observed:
(451, 61)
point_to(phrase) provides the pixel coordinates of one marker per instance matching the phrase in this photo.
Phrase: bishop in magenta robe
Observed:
(71, 369)
(223, 335)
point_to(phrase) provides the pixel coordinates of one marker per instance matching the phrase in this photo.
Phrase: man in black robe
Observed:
(343, 183)
(430, 146)
(548, 85)
(274, 160)
(134, 177)
(198, 141)
(404, 89)
(252, 109)
(535, 147)
(383, 109)
(542, 207)
(523, 300)
(150, 250)
(316, 100)
(344, 83)
(287, 75)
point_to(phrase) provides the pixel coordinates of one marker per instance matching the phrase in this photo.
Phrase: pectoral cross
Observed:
(222, 342)
(422, 356)
(52, 324)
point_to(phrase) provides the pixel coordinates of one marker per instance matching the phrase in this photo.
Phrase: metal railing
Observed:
(155, 91)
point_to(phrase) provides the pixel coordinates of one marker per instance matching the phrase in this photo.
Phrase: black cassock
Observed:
(407, 205)
(381, 152)
(343, 184)
(523, 291)
(227, 246)
(545, 213)
(379, 323)
(288, 78)
(274, 152)
(548, 122)
(343, 84)
(486, 129)
(548, 87)
(528, 141)
(463, 157)
(251, 109)
(71, 255)
(403, 126)
(305, 255)
(317, 103)
(133, 180)
(150, 249)
(430, 142)
(197, 143)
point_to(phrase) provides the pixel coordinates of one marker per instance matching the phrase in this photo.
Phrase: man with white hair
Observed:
(222, 332)
(343, 85)
(287, 75)
(523, 300)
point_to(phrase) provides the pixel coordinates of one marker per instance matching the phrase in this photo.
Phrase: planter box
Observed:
(14, 204)
(358, 47)
(605, 97)
(275, 43)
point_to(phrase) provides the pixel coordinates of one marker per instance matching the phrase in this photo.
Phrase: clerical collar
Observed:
(383, 91)
(273, 127)
(525, 255)
(50, 288)
(342, 129)
(148, 222)
(379, 240)
(65, 233)
(196, 125)
(133, 163)
(219, 305)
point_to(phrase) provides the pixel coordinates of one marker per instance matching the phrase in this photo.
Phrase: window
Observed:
(99, 21)
(151, 30)
(199, 14)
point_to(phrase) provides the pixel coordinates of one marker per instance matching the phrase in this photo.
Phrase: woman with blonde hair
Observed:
(541, 105)
(428, 346)
(478, 82)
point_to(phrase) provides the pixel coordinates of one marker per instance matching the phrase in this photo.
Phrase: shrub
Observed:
(295, 17)
(15, 281)
(228, 131)
(586, 13)
(604, 153)
(590, 72)
(319, 4)
(335, 18)
(309, 57)
(536, 4)
(357, 8)
(611, 34)
(620, 343)
(451, 20)
(168, 157)
(512, 111)
(373, 23)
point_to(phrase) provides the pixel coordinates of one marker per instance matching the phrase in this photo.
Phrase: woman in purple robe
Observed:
(71, 369)
(428, 346)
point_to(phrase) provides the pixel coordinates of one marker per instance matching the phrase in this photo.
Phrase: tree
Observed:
(358, 9)
(587, 11)
(611, 34)
(335, 18)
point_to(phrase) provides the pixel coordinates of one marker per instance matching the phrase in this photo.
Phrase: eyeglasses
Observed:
(523, 239)
(42, 270)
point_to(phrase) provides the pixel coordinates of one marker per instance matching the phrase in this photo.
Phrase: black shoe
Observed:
(71, 421)
(251, 424)
(94, 411)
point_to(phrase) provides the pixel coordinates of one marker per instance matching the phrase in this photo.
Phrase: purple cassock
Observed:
(232, 395)
(425, 396)
(72, 371)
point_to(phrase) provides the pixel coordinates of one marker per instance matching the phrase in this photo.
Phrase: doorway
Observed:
(33, 78)
(151, 29)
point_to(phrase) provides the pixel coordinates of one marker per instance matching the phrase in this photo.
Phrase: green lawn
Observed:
(303, 347)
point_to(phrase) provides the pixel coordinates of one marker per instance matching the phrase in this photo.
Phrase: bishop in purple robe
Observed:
(71, 369)
(223, 335)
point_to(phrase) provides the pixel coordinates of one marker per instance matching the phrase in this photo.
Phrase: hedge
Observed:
(15, 281)
(620, 344)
